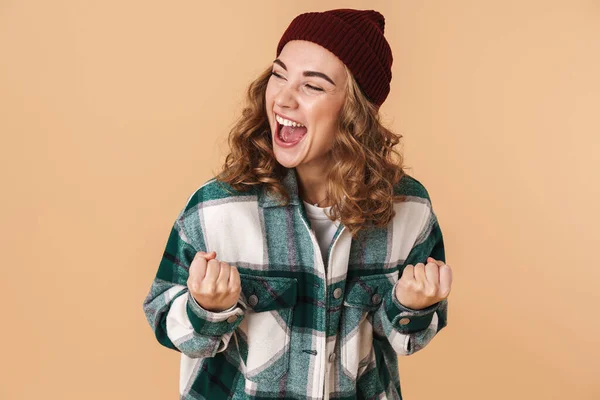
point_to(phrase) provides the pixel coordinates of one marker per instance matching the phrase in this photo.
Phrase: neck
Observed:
(312, 186)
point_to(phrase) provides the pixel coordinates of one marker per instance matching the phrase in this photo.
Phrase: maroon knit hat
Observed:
(356, 38)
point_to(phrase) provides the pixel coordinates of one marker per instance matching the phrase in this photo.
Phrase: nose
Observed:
(286, 97)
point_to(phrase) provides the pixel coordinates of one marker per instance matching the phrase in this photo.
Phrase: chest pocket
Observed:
(264, 334)
(364, 295)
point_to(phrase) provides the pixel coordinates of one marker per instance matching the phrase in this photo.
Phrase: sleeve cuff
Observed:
(404, 319)
(213, 323)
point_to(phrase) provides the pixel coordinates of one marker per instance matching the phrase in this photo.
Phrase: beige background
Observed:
(113, 112)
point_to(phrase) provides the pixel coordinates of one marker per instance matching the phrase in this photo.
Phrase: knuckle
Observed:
(431, 291)
(221, 289)
(192, 286)
(199, 261)
(208, 288)
(192, 281)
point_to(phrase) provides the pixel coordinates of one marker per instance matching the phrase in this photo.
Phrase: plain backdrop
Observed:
(113, 112)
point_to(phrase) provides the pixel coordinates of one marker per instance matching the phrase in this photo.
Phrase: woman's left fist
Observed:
(424, 285)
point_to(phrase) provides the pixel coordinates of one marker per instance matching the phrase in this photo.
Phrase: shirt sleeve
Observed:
(177, 319)
(408, 330)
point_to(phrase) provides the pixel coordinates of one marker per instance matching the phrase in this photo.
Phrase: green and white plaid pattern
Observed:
(306, 327)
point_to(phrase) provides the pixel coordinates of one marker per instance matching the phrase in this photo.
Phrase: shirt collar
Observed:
(290, 182)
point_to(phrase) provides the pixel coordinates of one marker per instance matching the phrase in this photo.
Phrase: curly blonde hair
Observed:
(364, 170)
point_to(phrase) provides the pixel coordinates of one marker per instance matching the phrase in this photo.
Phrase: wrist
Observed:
(213, 309)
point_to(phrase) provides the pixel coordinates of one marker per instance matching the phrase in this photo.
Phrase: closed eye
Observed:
(314, 88)
(273, 73)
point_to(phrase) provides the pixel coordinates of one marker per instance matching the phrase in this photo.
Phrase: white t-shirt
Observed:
(324, 227)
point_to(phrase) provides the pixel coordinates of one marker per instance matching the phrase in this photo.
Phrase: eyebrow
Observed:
(307, 73)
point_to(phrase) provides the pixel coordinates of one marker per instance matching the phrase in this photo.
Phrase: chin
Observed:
(286, 162)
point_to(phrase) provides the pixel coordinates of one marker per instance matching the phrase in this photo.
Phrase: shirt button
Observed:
(376, 298)
(253, 300)
(404, 321)
(232, 319)
(337, 293)
(331, 357)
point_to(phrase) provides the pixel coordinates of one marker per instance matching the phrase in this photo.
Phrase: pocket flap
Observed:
(261, 293)
(367, 291)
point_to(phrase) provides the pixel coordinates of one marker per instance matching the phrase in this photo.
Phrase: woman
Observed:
(330, 258)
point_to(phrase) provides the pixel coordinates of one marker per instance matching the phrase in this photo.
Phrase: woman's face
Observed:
(308, 86)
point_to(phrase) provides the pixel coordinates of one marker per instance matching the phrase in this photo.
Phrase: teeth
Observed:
(286, 122)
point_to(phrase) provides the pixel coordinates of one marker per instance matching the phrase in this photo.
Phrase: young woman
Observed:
(312, 260)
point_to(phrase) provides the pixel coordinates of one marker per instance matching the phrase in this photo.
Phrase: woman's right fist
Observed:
(214, 284)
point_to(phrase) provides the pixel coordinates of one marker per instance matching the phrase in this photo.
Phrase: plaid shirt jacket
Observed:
(307, 326)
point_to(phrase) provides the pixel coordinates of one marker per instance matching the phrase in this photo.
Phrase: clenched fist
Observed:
(424, 285)
(215, 285)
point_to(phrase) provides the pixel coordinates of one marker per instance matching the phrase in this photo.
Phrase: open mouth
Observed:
(289, 131)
